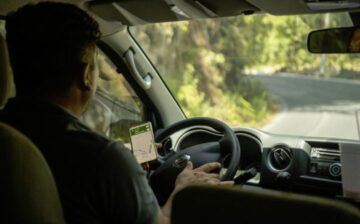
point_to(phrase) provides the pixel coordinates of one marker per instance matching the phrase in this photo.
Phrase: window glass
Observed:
(2, 28)
(255, 71)
(115, 107)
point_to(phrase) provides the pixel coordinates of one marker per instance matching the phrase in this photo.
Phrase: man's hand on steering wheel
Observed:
(200, 175)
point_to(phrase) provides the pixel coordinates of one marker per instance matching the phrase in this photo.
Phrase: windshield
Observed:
(256, 71)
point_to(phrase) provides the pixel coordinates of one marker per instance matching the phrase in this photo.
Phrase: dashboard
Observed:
(288, 163)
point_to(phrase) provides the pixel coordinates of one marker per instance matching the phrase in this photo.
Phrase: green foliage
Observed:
(204, 62)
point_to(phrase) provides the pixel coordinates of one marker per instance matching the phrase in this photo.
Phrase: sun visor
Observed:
(293, 7)
(137, 12)
(321, 5)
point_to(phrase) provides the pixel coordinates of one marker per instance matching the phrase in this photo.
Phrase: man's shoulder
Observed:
(78, 133)
(54, 130)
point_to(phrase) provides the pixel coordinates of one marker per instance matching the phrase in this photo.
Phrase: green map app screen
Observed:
(142, 143)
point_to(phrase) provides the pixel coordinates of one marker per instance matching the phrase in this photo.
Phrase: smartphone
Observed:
(142, 143)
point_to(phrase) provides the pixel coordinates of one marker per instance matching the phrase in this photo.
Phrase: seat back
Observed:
(209, 204)
(28, 192)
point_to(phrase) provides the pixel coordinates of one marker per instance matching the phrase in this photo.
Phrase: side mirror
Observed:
(335, 40)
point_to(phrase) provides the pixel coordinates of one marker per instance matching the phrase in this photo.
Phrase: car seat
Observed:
(28, 192)
(234, 204)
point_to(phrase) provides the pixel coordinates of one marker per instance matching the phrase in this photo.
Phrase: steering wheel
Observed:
(227, 149)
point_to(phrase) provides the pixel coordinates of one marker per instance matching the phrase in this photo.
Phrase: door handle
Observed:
(143, 80)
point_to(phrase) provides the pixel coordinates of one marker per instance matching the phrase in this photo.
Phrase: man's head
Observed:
(51, 48)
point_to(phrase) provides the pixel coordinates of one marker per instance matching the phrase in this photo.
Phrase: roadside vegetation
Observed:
(207, 64)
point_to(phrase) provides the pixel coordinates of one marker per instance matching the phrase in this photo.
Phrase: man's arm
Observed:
(125, 195)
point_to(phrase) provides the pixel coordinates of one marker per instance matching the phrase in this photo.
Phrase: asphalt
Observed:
(313, 106)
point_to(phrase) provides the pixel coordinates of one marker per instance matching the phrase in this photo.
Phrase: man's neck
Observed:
(71, 102)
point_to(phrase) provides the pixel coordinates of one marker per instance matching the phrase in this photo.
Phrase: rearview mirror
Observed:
(335, 40)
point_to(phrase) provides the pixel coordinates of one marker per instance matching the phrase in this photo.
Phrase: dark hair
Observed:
(47, 43)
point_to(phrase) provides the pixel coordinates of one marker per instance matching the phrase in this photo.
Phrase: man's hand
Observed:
(200, 175)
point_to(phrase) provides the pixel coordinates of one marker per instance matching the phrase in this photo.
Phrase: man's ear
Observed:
(85, 80)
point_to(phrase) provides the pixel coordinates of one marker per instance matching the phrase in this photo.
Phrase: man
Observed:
(52, 49)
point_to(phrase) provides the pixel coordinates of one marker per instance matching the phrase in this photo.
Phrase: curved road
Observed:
(314, 107)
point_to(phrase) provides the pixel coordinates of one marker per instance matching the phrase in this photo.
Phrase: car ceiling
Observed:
(7, 6)
(134, 12)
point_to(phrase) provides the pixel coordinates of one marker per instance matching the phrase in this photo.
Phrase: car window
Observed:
(2, 28)
(256, 71)
(115, 107)
(12, 92)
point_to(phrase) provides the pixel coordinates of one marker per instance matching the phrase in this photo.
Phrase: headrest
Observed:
(6, 83)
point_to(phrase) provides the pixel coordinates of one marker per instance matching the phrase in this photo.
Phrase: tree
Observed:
(206, 62)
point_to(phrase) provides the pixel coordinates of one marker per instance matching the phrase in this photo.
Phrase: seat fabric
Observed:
(209, 204)
(28, 192)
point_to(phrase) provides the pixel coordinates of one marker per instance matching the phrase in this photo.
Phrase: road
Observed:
(314, 107)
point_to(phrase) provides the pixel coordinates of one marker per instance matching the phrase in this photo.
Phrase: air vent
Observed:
(326, 151)
(325, 154)
(280, 158)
